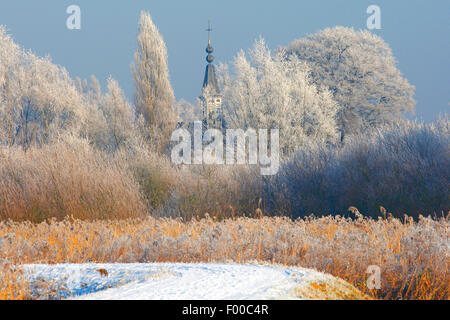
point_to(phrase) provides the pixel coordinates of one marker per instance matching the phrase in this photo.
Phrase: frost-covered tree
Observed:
(39, 103)
(95, 89)
(79, 85)
(10, 62)
(187, 112)
(360, 71)
(154, 97)
(118, 114)
(38, 100)
(9, 55)
(269, 91)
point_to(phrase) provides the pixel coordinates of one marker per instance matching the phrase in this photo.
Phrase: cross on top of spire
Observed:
(209, 48)
(209, 31)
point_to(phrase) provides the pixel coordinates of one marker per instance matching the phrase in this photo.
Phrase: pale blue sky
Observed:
(416, 30)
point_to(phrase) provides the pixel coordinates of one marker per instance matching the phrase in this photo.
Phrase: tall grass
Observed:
(67, 178)
(413, 255)
(217, 191)
(192, 191)
(13, 285)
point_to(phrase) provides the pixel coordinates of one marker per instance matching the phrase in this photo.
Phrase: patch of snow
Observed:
(170, 281)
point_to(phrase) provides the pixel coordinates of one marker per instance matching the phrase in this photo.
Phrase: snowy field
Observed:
(173, 281)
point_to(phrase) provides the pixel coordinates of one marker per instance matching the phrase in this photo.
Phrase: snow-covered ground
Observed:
(172, 281)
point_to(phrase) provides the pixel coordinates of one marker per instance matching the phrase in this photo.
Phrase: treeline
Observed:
(68, 149)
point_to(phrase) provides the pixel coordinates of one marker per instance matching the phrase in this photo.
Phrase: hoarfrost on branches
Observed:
(269, 91)
(361, 72)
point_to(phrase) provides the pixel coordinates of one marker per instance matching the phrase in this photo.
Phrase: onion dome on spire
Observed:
(209, 51)
(209, 48)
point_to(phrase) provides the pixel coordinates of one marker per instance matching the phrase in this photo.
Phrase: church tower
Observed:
(210, 98)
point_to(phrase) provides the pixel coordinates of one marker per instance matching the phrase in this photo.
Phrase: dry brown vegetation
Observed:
(13, 286)
(413, 256)
(63, 179)
(72, 178)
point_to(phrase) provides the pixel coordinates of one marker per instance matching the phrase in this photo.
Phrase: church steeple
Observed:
(210, 99)
(210, 79)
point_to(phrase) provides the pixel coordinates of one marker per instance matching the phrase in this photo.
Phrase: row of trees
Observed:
(330, 84)
(39, 103)
(323, 87)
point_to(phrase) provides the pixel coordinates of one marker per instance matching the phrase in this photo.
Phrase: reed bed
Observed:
(413, 255)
